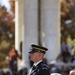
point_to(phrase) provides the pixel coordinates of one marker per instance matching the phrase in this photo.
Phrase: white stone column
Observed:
(50, 21)
(30, 27)
(18, 23)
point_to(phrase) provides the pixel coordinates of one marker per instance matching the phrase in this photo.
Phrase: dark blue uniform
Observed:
(40, 69)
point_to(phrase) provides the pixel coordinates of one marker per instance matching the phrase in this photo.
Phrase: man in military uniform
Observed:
(37, 55)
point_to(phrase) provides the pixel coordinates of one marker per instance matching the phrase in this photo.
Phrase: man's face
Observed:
(34, 56)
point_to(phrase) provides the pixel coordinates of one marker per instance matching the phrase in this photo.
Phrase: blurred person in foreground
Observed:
(72, 72)
(55, 74)
(37, 55)
(13, 61)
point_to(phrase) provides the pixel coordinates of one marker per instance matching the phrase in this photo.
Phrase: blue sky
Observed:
(6, 4)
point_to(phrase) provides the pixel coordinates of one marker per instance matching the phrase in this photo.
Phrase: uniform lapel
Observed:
(35, 69)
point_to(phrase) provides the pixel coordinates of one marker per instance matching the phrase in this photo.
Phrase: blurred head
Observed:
(55, 74)
(66, 49)
(13, 49)
(72, 72)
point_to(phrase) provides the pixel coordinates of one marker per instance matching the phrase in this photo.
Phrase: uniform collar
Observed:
(35, 64)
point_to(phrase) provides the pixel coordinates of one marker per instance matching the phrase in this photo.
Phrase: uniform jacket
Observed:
(40, 69)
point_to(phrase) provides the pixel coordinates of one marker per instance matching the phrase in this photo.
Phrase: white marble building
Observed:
(38, 22)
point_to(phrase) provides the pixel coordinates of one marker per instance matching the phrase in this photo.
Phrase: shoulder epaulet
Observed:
(44, 66)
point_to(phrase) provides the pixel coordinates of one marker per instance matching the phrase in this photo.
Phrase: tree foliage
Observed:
(68, 18)
(7, 30)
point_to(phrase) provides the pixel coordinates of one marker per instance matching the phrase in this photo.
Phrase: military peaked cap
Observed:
(36, 48)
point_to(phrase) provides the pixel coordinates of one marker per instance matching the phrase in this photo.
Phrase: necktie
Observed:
(32, 70)
(33, 67)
